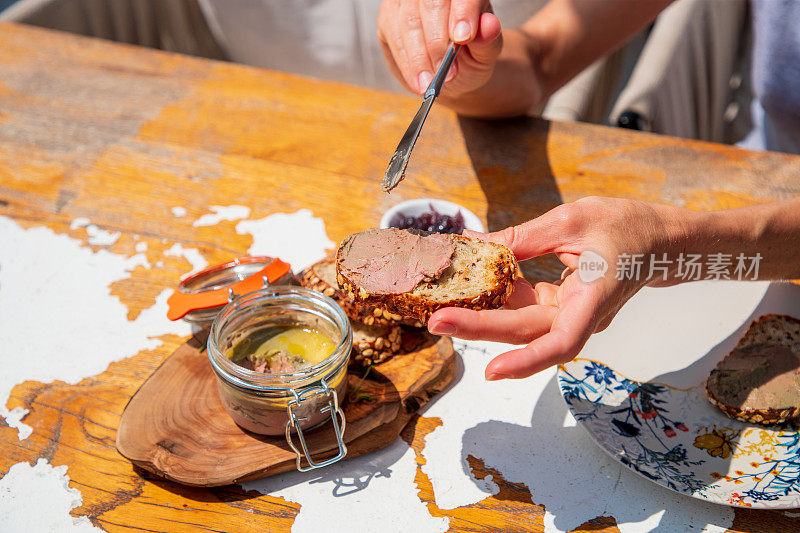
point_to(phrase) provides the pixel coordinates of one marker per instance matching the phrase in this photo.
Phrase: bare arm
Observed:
(771, 230)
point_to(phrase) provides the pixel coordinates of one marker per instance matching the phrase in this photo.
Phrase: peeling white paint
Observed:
(222, 212)
(192, 255)
(140, 246)
(79, 222)
(14, 420)
(58, 319)
(139, 259)
(374, 492)
(96, 236)
(100, 237)
(298, 238)
(522, 429)
(178, 211)
(39, 498)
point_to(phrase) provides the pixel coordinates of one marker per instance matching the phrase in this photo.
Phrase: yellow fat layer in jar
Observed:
(307, 343)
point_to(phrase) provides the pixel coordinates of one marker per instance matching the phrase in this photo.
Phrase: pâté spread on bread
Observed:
(377, 333)
(393, 261)
(759, 381)
(414, 273)
(321, 276)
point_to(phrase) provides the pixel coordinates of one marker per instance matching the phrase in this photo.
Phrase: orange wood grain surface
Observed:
(120, 134)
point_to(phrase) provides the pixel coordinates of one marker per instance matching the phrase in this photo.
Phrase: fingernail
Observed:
(462, 31)
(425, 78)
(496, 377)
(443, 328)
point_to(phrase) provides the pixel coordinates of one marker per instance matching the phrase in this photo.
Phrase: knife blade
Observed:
(397, 165)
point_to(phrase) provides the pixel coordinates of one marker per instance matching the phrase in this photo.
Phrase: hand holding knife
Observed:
(399, 161)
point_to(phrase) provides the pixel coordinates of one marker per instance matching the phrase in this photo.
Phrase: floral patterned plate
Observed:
(675, 438)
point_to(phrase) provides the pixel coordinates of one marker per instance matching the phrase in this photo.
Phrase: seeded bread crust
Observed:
(481, 276)
(374, 344)
(321, 276)
(773, 329)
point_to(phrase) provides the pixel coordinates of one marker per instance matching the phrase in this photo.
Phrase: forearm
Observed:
(551, 48)
(768, 231)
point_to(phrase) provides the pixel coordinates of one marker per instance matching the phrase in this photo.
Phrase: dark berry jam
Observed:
(432, 221)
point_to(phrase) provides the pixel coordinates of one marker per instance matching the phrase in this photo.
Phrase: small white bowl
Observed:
(414, 208)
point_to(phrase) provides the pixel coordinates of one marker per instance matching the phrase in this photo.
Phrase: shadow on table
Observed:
(568, 473)
(572, 477)
(511, 162)
(347, 477)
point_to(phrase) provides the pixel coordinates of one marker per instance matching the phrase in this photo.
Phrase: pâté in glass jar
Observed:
(279, 352)
(280, 356)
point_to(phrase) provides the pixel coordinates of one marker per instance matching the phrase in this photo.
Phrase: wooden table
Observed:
(120, 135)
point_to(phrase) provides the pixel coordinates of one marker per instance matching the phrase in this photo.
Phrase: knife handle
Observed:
(438, 80)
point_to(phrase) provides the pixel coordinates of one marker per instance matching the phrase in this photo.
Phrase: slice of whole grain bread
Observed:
(321, 276)
(480, 276)
(768, 331)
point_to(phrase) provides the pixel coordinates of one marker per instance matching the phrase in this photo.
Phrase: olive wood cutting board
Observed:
(175, 425)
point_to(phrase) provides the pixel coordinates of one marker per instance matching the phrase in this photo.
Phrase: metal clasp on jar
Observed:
(294, 424)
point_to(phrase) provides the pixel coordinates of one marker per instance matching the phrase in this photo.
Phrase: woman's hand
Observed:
(556, 319)
(415, 34)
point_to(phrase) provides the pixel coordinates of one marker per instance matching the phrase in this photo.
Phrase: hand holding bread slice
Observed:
(414, 273)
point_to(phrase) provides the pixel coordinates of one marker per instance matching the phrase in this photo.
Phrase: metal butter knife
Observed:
(397, 165)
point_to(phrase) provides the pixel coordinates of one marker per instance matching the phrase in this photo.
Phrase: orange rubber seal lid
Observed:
(182, 303)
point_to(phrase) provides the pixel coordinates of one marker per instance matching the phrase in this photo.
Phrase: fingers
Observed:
(387, 54)
(479, 56)
(435, 17)
(403, 42)
(486, 46)
(414, 36)
(523, 295)
(465, 19)
(391, 39)
(572, 326)
(547, 294)
(500, 325)
(417, 68)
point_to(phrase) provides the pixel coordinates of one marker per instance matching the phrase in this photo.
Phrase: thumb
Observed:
(488, 42)
(545, 234)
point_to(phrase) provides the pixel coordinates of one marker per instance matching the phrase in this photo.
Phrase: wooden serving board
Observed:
(175, 425)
